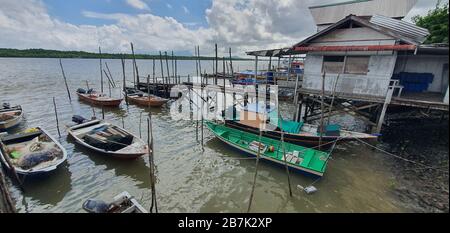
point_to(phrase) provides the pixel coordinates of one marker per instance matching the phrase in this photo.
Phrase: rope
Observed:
(399, 157)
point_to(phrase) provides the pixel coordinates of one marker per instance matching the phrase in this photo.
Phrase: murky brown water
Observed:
(189, 179)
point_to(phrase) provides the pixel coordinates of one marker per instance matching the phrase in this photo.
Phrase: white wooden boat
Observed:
(122, 203)
(10, 116)
(32, 152)
(108, 139)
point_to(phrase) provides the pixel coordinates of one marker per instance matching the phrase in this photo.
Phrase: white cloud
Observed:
(185, 9)
(169, 6)
(138, 4)
(242, 25)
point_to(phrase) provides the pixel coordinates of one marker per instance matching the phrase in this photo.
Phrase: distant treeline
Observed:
(44, 53)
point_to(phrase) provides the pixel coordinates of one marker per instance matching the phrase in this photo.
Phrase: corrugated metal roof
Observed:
(402, 27)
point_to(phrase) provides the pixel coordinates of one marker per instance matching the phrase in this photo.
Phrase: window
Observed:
(353, 64)
(333, 64)
(357, 65)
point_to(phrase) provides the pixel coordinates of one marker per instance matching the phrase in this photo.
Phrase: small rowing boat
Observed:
(98, 99)
(32, 152)
(144, 99)
(299, 158)
(10, 116)
(106, 138)
(122, 203)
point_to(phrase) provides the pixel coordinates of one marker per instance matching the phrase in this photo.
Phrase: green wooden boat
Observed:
(300, 158)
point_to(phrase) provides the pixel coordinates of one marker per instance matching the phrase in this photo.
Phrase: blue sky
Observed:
(71, 11)
(153, 25)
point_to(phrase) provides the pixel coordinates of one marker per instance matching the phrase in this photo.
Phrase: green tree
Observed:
(436, 21)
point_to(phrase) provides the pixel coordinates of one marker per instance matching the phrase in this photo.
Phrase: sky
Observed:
(157, 25)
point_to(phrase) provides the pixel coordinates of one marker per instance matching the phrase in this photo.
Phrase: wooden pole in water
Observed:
(231, 63)
(140, 124)
(321, 130)
(101, 69)
(201, 112)
(109, 83)
(256, 172)
(168, 73)
(217, 66)
(153, 76)
(135, 67)
(224, 93)
(65, 80)
(56, 116)
(124, 87)
(173, 66)
(162, 69)
(200, 64)
(284, 154)
(152, 164)
(110, 75)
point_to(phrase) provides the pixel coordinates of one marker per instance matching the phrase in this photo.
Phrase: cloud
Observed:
(241, 25)
(138, 4)
(185, 9)
(169, 6)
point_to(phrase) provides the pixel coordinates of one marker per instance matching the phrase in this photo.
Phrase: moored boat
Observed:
(98, 99)
(299, 158)
(31, 152)
(122, 203)
(300, 133)
(107, 139)
(144, 99)
(10, 116)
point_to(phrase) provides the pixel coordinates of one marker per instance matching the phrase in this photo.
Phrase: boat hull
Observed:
(41, 171)
(99, 102)
(145, 102)
(6, 125)
(313, 171)
(119, 155)
(301, 140)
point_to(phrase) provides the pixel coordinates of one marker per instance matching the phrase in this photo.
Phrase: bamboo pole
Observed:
(124, 81)
(168, 73)
(224, 92)
(152, 164)
(109, 83)
(65, 80)
(173, 67)
(56, 116)
(110, 75)
(162, 69)
(153, 76)
(231, 63)
(217, 65)
(101, 69)
(321, 130)
(140, 125)
(284, 155)
(135, 67)
(256, 172)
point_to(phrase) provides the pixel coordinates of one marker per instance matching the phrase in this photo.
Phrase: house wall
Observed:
(375, 82)
(426, 64)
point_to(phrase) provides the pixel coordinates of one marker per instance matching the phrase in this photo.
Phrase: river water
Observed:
(189, 179)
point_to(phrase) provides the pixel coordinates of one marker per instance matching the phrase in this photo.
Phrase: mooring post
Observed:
(101, 69)
(110, 75)
(256, 172)
(135, 67)
(124, 87)
(231, 63)
(387, 101)
(321, 130)
(217, 65)
(56, 116)
(65, 80)
(162, 70)
(284, 154)
(168, 73)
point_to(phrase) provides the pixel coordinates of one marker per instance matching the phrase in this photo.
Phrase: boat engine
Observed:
(78, 119)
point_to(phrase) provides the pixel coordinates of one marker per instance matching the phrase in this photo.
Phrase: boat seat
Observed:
(307, 156)
(222, 133)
